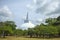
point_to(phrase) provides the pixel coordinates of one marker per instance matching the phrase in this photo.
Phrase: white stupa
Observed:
(27, 24)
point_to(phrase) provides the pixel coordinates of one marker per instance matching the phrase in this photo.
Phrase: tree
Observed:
(45, 30)
(58, 18)
(11, 24)
(7, 27)
(51, 21)
(18, 32)
(52, 31)
(30, 32)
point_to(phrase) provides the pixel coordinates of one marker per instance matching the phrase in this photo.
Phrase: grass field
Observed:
(22, 38)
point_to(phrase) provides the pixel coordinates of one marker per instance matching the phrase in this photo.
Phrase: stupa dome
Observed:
(27, 25)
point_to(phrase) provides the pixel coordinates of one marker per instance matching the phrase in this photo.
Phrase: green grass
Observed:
(23, 38)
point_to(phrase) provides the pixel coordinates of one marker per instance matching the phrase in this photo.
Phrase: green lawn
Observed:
(22, 38)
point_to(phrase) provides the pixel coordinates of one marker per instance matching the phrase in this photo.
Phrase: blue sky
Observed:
(38, 10)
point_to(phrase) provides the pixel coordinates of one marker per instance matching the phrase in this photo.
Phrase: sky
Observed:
(39, 10)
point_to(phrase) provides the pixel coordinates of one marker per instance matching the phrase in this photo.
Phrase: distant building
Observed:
(27, 24)
(26, 20)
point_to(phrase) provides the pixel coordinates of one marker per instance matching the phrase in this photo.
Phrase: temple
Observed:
(27, 23)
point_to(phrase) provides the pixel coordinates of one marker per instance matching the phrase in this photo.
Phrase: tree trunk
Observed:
(30, 36)
(3, 34)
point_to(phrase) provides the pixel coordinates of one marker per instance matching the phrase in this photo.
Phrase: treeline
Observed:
(51, 29)
(48, 30)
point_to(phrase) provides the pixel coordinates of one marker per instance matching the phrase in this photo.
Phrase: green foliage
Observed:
(51, 21)
(50, 30)
(18, 32)
(58, 18)
(7, 27)
(30, 32)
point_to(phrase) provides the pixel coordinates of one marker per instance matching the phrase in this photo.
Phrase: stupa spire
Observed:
(27, 16)
(27, 19)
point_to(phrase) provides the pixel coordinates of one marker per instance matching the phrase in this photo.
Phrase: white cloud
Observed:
(35, 1)
(48, 6)
(4, 11)
(30, 7)
(24, 17)
(39, 20)
(51, 7)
